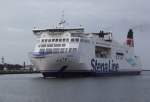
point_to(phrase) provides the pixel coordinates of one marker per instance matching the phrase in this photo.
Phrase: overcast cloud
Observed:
(19, 17)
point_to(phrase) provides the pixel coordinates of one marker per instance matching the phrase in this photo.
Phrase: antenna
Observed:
(62, 21)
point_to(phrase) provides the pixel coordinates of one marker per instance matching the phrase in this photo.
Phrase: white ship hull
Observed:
(71, 52)
(61, 65)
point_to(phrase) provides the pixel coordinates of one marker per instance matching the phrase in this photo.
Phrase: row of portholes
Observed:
(58, 50)
(60, 40)
(52, 45)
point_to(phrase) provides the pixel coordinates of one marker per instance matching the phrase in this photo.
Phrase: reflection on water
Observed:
(33, 88)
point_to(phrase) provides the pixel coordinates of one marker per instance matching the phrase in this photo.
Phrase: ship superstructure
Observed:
(72, 52)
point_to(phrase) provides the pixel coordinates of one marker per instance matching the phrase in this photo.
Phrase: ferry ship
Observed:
(72, 52)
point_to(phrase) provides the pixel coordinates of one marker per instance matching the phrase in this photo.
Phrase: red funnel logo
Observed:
(130, 41)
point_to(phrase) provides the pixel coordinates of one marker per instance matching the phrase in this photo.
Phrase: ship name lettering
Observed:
(109, 66)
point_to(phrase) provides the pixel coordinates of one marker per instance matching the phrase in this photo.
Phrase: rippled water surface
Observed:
(33, 88)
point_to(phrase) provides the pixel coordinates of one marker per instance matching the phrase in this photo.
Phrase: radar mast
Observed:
(62, 21)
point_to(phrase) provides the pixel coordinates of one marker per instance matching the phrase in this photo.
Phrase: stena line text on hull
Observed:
(104, 67)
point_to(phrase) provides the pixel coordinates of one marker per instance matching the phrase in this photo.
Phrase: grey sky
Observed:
(18, 17)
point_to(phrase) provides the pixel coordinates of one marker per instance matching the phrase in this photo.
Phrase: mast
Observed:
(62, 21)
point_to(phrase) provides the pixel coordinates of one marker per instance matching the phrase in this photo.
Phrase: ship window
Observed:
(85, 40)
(63, 45)
(56, 40)
(77, 39)
(62, 50)
(70, 49)
(67, 40)
(72, 40)
(74, 49)
(57, 45)
(49, 50)
(60, 40)
(42, 50)
(82, 40)
(66, 50)
(49, 45)
(44, 45)
(46, 50)
(42, 40)
(119, 55)
(49, 40)
(64, 40)
(102, 52)
(56, 50)
(45, 40)
(53, 40)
